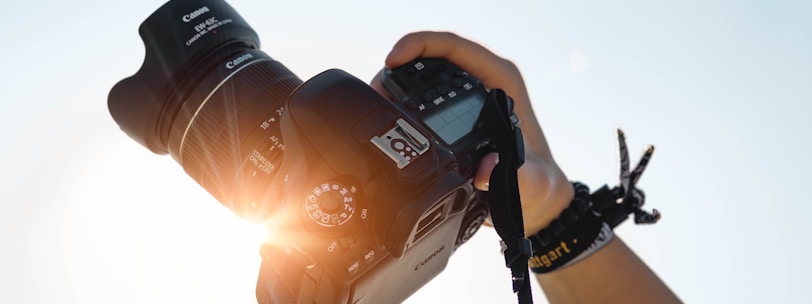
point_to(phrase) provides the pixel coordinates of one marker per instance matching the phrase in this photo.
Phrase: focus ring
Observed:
(218, 139)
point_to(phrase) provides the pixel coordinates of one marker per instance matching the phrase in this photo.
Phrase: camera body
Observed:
(368, 197)
(378, 194)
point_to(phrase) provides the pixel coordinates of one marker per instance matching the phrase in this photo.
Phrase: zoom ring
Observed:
(223, 134)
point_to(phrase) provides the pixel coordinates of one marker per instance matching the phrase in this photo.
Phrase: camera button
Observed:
(427, 96)
(369, 255)
(352, 266)
(456, 83)
(432, 72)
(412, 104)
(443, 90)
(346, 242)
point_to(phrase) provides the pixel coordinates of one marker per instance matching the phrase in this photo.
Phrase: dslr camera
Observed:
(369, 197)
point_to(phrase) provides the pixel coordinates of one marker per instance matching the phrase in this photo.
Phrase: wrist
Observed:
(553, 199)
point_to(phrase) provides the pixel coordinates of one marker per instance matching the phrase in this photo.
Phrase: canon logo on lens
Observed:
(236, 62)
(195, 14)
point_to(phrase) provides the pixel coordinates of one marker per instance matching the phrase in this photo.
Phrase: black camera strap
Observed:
(503, 193)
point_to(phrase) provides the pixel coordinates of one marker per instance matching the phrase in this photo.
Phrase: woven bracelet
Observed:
(577, 230)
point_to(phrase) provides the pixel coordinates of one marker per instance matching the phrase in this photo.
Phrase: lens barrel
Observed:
(231, 143)
(209, 97)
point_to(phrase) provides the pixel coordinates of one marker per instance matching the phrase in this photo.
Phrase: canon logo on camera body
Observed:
(190, 16)
(424, 262)
(238, 60)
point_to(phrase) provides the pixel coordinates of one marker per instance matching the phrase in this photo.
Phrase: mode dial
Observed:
(331, 204)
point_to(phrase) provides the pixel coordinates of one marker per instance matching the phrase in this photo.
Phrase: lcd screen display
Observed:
(452, 122)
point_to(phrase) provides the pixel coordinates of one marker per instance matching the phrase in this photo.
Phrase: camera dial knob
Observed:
(331, 204)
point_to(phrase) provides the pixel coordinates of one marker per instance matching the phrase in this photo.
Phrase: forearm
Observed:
(613, 274)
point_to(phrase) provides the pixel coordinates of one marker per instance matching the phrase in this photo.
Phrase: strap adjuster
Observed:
(519, 248)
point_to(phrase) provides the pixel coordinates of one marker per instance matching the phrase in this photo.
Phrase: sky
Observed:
(721, 88)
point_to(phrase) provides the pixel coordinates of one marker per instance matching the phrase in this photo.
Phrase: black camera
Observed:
(370, 197)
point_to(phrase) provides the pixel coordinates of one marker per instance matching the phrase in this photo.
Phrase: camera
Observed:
(370, 197)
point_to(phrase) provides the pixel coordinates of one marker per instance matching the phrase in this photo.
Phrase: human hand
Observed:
(544, 189)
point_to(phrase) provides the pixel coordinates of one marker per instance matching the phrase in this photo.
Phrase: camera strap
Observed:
(503, 194)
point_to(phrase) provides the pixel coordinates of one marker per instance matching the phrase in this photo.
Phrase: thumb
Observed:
(483, 172)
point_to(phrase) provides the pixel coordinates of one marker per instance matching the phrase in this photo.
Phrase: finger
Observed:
(493, 70)
(434, 44)
(483, 172)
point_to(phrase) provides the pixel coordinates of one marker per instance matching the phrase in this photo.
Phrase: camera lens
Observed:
(227, 135)
(209, 97)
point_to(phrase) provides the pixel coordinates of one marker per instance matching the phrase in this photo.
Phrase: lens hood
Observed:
(183, 39)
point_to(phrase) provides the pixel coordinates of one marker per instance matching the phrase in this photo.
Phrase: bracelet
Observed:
(585, 226)
(604, 236)
(575, 234)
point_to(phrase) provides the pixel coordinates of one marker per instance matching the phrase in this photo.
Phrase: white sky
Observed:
(721, 88)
